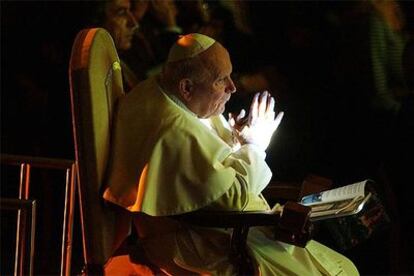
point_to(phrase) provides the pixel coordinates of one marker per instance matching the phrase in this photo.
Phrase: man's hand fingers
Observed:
(263, 103)
(270, 106)
(241, 115)
(278, 119)
(254, 109)
(232, 123)
(231, 120)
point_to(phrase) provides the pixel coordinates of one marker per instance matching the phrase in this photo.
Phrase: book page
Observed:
(356, 190)
(329, 208)
(338, 208)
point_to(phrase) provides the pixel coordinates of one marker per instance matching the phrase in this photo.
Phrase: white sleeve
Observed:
(252, 176)
(250, 166)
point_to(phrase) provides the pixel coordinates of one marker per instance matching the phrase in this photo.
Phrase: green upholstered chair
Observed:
(95, 85)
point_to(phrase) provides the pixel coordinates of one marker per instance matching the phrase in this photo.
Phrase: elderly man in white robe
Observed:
(175, 153)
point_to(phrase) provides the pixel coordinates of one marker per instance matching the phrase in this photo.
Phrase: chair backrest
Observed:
(95, 86)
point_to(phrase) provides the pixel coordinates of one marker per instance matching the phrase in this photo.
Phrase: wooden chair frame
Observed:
(26, 163)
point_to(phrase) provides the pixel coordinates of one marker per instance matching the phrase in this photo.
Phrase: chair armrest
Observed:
(283, 191)
(291, 224)
(230, 219)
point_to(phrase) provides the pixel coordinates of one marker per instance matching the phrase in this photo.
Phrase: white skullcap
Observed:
(188, 46)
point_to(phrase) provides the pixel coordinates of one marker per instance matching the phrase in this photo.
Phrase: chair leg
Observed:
(238, 253)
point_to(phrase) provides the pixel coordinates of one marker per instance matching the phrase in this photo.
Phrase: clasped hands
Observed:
(258, 127)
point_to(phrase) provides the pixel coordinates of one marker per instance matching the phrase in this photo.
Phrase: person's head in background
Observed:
(139, 8)
(116, 17)
(193, 15)
(198, 72)
(158, 14)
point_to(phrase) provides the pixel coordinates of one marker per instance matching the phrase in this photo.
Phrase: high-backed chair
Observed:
(96, 86)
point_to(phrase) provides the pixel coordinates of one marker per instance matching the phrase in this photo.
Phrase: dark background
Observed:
(328, 127)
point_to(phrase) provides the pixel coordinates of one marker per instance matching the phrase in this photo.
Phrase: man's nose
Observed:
(231, 88)
(132, 23)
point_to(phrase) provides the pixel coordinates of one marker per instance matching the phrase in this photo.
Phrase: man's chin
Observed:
(220, 110)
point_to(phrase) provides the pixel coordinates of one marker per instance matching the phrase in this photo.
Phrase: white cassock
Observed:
(166, 161)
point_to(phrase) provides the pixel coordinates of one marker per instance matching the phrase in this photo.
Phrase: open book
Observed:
(339, 202)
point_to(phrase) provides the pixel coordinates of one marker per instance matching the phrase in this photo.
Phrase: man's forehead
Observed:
(220, 58)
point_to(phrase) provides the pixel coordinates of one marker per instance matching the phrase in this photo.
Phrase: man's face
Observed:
(120, 23)
(210, 95)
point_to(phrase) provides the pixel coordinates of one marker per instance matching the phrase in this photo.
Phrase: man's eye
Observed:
(220, 82)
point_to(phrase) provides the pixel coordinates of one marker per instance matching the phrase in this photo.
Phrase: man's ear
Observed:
(186, 89)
